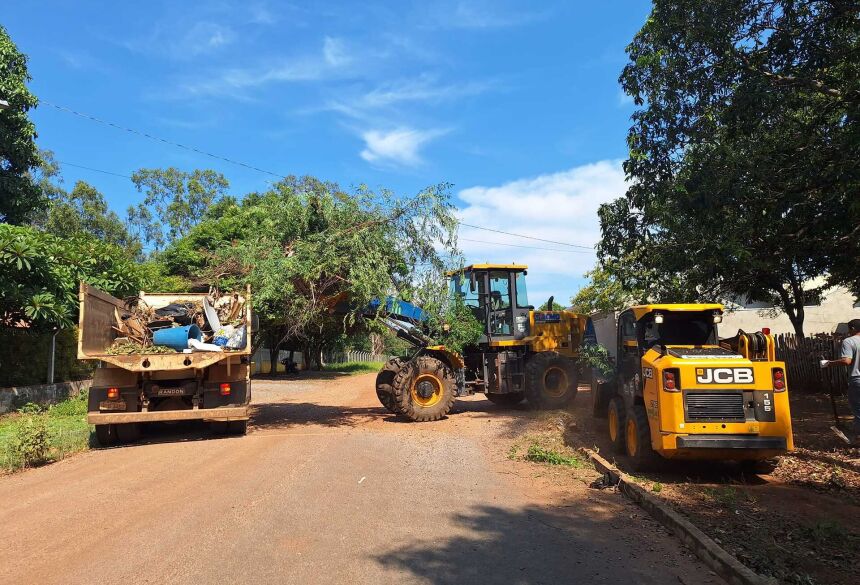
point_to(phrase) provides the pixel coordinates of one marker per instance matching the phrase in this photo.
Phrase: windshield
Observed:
(679, 329)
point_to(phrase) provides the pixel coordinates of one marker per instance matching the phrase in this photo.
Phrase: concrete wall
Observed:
(839, 307)
(11, 398)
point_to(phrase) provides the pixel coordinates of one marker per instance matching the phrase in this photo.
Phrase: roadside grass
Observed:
(36, 435)
(354, 367)
(538, 454)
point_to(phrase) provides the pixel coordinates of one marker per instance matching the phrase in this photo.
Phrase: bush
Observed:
(30, 442)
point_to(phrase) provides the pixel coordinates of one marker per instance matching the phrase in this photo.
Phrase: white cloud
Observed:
(399, 147)
(561, 207)
(480, 14)
(331, 61)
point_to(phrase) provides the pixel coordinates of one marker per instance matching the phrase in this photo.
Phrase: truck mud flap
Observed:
(731, 442)
(220, 414)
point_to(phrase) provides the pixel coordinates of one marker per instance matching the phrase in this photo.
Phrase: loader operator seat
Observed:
(496, 302)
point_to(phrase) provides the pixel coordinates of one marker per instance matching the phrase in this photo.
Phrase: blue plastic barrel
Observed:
(177, 337)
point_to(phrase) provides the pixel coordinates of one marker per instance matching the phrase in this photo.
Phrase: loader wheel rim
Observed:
(427, 390)
(613, 424)
(555, 382)
(632, 439)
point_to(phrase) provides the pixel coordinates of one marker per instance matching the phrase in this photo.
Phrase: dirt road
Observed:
(328, 488)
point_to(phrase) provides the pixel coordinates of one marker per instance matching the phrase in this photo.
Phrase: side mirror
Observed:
(473, 285)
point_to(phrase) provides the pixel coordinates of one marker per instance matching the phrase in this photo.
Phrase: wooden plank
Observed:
(223, 414)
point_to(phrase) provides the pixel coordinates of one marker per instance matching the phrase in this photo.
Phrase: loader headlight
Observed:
(658, 318)
(718, 317)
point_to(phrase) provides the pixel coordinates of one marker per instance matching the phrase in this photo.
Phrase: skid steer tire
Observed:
(424, 389)
(551, 380)
(599, 397)
(637, 439)
(384, 379)
(506, 400)
(616, 423)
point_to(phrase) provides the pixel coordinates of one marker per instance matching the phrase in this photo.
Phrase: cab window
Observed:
(500, 293)
(460, 287)
(522, 293)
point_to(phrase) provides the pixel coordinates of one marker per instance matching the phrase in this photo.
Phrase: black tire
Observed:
(384, 379)
(128, 433)
(508, 400)
(600, 395)
(424, 374)
(617, 421)
(237, 427)
(759, 467)
(219, 427)
(637, 441)
(551, 380)
(106, 435)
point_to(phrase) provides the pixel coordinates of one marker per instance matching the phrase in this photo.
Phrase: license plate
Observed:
(169, 392)
(112, 405)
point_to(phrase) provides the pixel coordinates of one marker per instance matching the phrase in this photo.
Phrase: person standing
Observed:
(850, 357)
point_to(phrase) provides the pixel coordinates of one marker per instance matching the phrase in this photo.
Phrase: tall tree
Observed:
(19, 196)
(174, 202)
(742, 153)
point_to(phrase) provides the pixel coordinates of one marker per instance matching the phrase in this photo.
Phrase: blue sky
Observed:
(517, 104)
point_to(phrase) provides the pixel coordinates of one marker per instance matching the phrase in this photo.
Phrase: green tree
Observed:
(40, 273)
(742, 154)
(19, 196)
(174, 202)
(604, 293)
(310, 249)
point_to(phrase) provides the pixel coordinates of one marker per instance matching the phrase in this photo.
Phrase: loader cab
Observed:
(497, 296)
(644, 327)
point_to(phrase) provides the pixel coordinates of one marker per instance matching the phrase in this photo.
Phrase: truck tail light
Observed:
(113, 393)
(778, 380)
(670, 380)
(225, 389)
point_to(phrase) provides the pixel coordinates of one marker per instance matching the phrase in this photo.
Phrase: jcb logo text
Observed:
(724, 375)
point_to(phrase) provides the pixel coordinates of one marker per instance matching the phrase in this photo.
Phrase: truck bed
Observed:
(95, 333)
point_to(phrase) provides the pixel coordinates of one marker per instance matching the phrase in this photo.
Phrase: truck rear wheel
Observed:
(384, 379)
(616, 421)
(237, 427)
(424, 389)
(509, 399)
(551, 380)
(106, 435)
(637, 439)
(128, 432)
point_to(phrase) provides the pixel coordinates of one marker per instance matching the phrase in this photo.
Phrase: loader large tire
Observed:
(424, 389)
(551, 380)
(384, 379)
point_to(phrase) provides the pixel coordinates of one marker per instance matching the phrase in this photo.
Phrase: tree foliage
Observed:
(40, 272)
(604, 293)
(19, 196)
(742, 153)
(309, 247)
(174, 202)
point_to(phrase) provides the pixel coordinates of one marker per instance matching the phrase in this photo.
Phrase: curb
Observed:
(712, 554)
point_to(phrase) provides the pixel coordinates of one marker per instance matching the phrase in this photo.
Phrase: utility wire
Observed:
(519, 246)
(477, 227)
(159, 139)
(68, 164)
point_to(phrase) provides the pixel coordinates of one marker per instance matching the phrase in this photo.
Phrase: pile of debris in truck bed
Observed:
(215, 323)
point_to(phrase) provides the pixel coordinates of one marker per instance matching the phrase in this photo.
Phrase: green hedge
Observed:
(24, 357)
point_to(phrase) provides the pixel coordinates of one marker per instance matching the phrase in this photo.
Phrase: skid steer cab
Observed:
(522, 355)
(679, 393)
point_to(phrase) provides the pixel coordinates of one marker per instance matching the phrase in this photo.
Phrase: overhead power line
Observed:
(520, 246)
(477, 227)
(159, 139)
(68, 164)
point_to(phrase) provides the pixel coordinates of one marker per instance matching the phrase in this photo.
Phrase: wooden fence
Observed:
(801, 357)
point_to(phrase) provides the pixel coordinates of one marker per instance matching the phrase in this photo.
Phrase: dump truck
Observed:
(522, 354)
(678, 392)
(129, 390)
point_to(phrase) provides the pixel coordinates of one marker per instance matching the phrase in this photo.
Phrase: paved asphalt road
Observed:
(327, 488)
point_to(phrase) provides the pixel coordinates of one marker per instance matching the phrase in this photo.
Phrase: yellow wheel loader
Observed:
(678, 392)
(523, 354)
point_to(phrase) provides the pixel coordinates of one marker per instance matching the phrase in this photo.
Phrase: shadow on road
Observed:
(524, 546)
